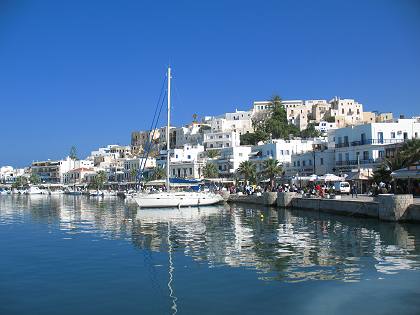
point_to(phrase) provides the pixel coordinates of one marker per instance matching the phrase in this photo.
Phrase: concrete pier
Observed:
(265, 199)
(386, 207)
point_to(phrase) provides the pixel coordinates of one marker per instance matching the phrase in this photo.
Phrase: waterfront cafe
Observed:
(410, 175)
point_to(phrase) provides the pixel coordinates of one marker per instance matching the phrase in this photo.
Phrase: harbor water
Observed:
(91, 255)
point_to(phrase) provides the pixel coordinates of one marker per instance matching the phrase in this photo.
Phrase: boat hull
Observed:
(176, 200)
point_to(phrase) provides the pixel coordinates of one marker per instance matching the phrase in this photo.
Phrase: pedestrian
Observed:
(353, 191)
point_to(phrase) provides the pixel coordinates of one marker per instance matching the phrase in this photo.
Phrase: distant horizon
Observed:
(88, 73)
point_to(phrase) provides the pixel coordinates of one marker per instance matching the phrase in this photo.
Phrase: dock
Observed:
(387, 207)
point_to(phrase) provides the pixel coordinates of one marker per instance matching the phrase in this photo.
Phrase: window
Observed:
(346, 139)
(392, 135)
(380, 137)
(381, 154)
(298, 163)
(190, 171)
(294, 163)
(365, 155)
(189, 157)
(240, 154)
(303, 163)
(321, 161)
(340, 157)
(287, 152)
(347, 156)
(310, 162)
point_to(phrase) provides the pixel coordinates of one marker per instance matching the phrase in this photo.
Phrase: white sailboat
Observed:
(170, 199)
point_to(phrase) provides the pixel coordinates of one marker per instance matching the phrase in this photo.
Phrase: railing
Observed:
(361, 162)
(369, 141)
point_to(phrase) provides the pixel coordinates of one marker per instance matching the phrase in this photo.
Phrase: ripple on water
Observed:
(280, 246)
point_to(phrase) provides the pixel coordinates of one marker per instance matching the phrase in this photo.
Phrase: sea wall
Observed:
(346, 207)
(386, 207)
(266, 199)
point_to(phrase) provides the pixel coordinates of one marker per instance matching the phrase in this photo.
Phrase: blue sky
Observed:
(86, 73)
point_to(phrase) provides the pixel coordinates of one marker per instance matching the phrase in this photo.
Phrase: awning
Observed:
(412, 172)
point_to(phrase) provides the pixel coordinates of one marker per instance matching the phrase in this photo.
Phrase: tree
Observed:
(203, 128)
(277, 124)
(194, 116)
(99, 180)
(410, 152)
(272, 169)
(133, 174)
(248, 170)
(34, 179)
(20, 182)
(310, 132)
(210, 170)
(73, 153)
(383, 173)
(254, 137)
(213, 153)
(329, 118)
(158, 173)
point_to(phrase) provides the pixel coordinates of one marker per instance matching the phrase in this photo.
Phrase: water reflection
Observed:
(279, 245)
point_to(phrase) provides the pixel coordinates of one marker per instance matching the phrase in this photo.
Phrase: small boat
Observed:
(96, 193)
(34, 190)
(109, 193)
(55, 192)
(73, 192)
(4, 192)
(177, 199)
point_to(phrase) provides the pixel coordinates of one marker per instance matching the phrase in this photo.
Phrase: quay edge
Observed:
(387, 207)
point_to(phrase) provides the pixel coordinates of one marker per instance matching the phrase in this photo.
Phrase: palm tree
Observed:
(210, 170)
(276, 100)
(133, 173)
(383, 173)
(34, 179)
(100, 179)
(410, 151)
(158, 173)
(248, 170)
(73, 153)
(272, 169)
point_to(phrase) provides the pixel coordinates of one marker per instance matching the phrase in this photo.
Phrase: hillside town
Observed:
(305, 138)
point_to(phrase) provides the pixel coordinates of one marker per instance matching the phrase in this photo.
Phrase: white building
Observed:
(230, 158)
(132, 167)
(319, 162)
(189, 134)
(53, 171)
(281, 150)
(187, 169)
(78, 175)
(346, 111)
(365, 145)
(220, 140)
(8, 174)
(324, 126)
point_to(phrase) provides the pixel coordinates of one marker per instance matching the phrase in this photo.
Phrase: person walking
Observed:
(353, 191)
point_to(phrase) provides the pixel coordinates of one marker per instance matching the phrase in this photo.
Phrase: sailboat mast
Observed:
(168, 158)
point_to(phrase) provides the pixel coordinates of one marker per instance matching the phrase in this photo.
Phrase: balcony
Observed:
(360, 162)
(369, 141)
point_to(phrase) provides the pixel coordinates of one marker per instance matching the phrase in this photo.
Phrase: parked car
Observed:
(342, 187)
